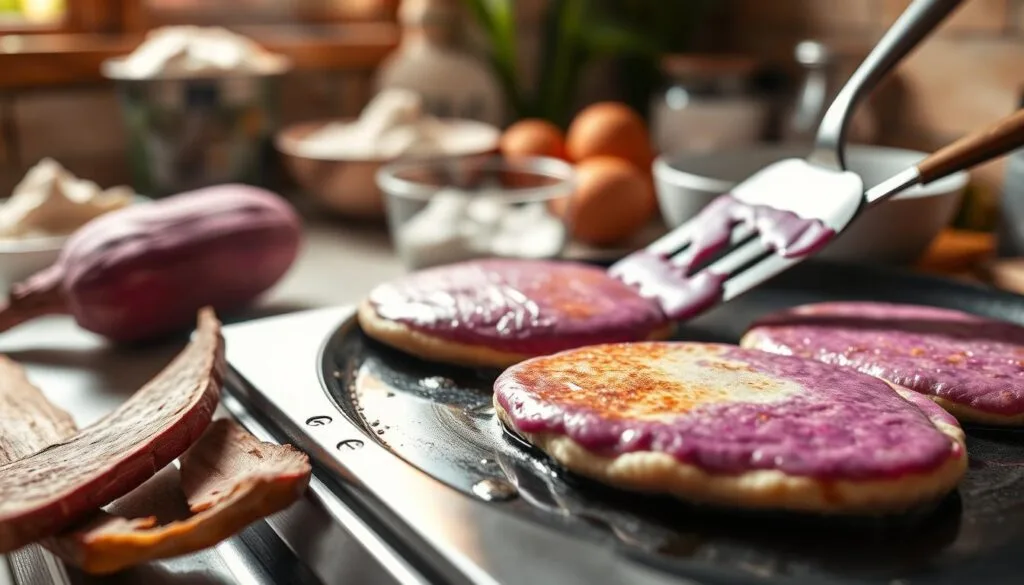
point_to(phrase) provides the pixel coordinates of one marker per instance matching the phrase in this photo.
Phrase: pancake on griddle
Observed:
(737, 427)
(495, 313)
(969, 365)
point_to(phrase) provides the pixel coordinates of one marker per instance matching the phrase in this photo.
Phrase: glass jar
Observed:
(432, 61)
(709, 102)
(821, 81)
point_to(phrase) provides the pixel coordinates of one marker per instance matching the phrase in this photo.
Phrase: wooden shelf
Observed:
(34, 60)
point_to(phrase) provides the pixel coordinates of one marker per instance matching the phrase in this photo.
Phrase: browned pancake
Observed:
(972, 366)
(725, 424)
(498, 312)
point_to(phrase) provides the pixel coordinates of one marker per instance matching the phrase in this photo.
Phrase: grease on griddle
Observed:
(492, 489)
(419, 422)
(960, 532)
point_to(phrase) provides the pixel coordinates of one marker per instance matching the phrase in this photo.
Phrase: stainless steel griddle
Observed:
(414, 451)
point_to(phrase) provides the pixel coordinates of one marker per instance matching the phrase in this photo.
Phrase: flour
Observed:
(457, 225)
(50, 201)
(194, 51)
(394, 124)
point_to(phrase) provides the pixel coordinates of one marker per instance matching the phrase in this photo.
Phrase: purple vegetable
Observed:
(143, 271)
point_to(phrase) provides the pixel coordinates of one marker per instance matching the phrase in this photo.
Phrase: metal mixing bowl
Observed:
(185, 133)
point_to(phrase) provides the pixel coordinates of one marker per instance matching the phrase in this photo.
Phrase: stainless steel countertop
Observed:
(78, 371)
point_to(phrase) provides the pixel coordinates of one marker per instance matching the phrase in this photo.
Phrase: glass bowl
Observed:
(452, 209)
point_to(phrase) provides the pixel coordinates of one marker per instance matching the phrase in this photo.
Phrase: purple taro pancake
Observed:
(971, 366)
(733, 426)
(500, 311)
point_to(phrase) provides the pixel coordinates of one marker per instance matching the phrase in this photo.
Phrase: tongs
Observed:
(789, 210)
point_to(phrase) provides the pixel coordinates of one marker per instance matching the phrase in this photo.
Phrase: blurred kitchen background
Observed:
(705, 74)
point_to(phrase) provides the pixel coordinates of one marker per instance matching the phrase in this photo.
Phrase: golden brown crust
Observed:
(431, 348)
(753, 340)
(654, 472)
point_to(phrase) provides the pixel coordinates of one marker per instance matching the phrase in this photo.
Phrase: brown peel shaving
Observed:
(230, 480)
(46, 492)
(29, 422)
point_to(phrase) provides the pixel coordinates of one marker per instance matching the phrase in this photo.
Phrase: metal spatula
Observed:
(781, 214)
(646, 270)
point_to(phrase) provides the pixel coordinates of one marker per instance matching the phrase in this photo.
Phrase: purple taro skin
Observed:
(835, 425)
(683, 295)
(521, 306)
(145, 270)
(965, 359)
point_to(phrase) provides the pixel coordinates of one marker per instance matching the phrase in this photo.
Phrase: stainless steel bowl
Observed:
(190, 132)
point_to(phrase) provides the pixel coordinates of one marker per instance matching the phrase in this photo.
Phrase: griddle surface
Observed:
(439, 419)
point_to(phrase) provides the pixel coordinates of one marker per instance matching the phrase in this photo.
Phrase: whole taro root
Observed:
(142, 272)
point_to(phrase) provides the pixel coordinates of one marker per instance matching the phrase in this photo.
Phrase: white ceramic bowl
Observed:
(20, 259)
(896, 232)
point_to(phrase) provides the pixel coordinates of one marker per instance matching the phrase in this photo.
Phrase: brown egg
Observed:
(612, 201)
(533, 137)
(610, 129)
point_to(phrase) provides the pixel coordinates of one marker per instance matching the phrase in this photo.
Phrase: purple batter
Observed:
(683, 295)
(522, 306)
(842, 425)
(962, 358)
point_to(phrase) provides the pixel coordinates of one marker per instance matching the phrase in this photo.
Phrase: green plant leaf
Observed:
(602, 38)
(576, 31)
(497, 19)
(564, 57)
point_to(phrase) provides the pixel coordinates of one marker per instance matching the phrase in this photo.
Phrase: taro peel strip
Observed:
(48, 491)
(29, 423)
(230, 479)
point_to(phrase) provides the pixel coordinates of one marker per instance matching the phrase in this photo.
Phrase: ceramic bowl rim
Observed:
(665, 169)
(14, 247)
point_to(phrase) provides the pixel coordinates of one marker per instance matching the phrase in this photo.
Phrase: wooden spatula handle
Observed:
(994, 141)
